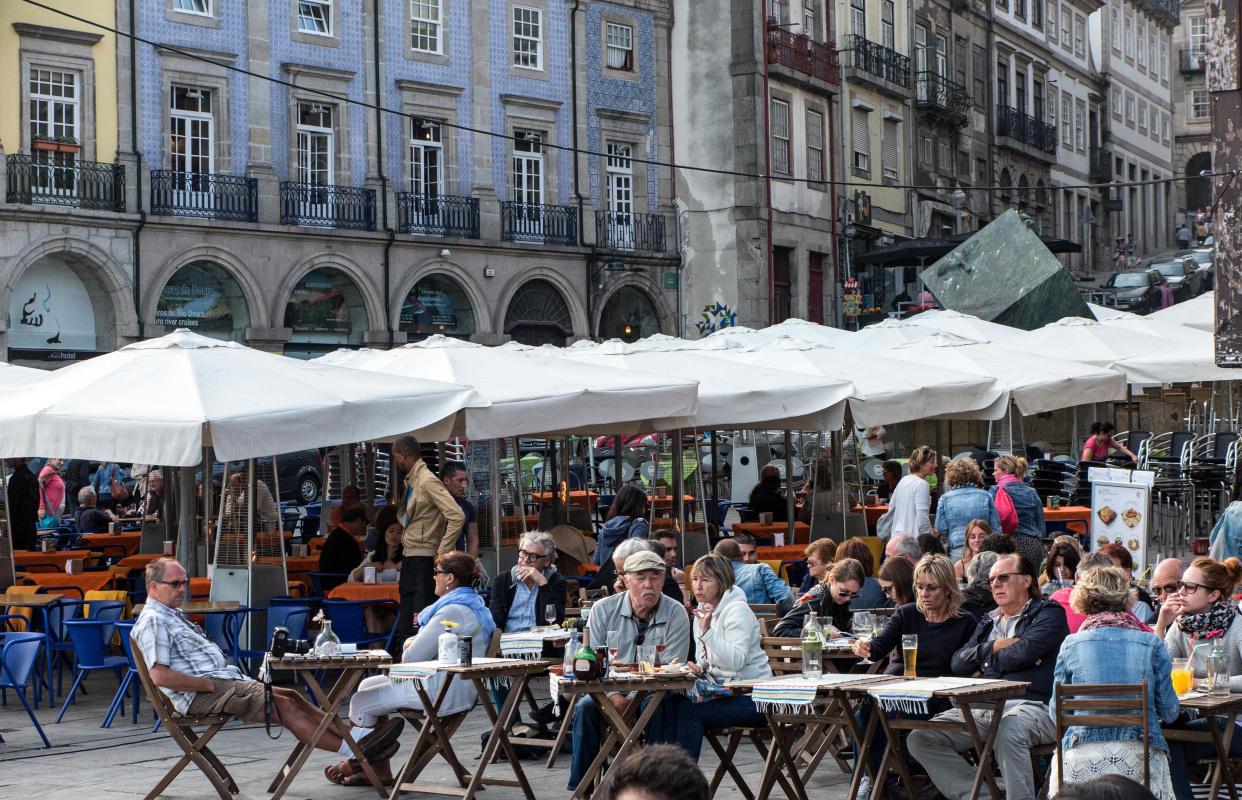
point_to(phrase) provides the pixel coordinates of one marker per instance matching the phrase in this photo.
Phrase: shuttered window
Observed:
(890, 152)
(860, 139)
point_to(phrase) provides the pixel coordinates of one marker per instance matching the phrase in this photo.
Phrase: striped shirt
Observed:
(166, 637)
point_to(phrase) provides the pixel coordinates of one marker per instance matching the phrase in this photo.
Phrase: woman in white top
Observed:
(378, 696)
(727, 649)
(909, 508)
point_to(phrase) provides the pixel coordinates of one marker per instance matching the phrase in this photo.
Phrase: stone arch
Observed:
(1024, 190)
(370, 299)
(101, 274)
(567, 292)
(648, 288)
(1198, 187)
(432, 265)
(230, 263)
(1006, 181)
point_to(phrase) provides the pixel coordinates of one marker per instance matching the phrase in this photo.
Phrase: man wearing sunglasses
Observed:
(1018, 641)
(1164, 581)
(195, 675)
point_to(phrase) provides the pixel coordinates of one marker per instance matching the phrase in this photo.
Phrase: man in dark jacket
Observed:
(23, 504)
(520, 596)
(341, 553)
(1018, 641)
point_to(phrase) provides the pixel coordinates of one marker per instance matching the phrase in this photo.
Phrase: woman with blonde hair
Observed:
(963, 503)
(976, 531)
(1019, 507)
(1112, 646)
(909, 509)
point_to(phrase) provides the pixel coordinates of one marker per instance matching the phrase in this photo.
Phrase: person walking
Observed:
(1183, 237)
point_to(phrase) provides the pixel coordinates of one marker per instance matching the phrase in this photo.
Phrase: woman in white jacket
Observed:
(726, 635)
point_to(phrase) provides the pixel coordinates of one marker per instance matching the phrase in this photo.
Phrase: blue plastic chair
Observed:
(90, 642)
(221, 628)
(287, 616)
(317, 580)
(17, 663)
(349, 624)
(129, 683)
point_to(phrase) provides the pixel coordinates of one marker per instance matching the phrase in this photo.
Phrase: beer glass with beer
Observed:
(909, 654)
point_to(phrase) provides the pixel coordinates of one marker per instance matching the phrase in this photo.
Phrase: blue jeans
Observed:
(680, 721)
(1183, 753)
(588, 735)
(879, 742)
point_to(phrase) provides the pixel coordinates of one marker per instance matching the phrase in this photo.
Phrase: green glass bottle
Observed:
(586, 664)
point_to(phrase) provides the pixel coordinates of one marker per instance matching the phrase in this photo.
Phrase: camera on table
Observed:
(282, 645)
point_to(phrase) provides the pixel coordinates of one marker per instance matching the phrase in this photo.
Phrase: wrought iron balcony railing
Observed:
(817, 59)
(325, 206)
(881, 61)
(195, 194)
(535, 222)
(1191, 61)
(935, 91)
(438, 215)
(622, 230)
(60, 179)
(1026, 129)
(1101, 167)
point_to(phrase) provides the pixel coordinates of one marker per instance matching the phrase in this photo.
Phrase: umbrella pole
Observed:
(185, 528)
(521, 492)
(679, 487)
(716, 484)
(1074, 432)
(1021, 426)
(789, 487)
(655, 476)
(493, 448)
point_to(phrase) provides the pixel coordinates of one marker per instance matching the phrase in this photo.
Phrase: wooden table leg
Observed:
(566, 726)
(891, 757)
(426, 733)
(329, 704)
(619, 731)
(862, 762)
(779, 761)
(986, 770)
(499, 736)
(1221, 739)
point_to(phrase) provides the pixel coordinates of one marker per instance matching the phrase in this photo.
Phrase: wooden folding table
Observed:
(1211, 708)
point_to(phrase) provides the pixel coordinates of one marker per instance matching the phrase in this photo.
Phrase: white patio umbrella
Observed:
(535, 391)
(732, 395)
(1198, 312)
(893, 332)
(967, 326)
(885, 389)
(1036, 384)
(160, 401)
(1103, 313)
(1162, 329)
(12, 375)
(795, 329)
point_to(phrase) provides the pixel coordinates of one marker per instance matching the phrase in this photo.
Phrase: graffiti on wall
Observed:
(716, 316)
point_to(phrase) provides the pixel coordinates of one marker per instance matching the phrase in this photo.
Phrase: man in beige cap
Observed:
(641, 615)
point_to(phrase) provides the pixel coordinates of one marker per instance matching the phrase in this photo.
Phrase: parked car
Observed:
(1136, 290)
(1183, 276)
(1204, 257)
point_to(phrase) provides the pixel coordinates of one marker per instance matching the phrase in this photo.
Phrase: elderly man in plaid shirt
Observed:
(193, 672)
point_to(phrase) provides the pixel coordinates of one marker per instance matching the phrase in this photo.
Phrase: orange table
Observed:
(872, 513)
(138, 560)
(509, 525)
(669, 523)
(665, 503)
(576, 498)
(129, 541)
(53, 582)
(200, 587)
(1078, 518)
(23, 558)
(790, 552)
(802, 531)
(366, 591)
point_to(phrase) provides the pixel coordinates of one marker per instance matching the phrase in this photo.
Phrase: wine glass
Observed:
(864, 626)
(549, 614)
(659, 644)
(614, 639)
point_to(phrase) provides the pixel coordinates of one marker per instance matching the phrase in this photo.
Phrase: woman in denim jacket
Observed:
(1029, 535)
(1112, 646)
(963, 503)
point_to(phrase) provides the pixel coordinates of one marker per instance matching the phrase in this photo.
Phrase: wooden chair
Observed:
(765, 612)
(193, 745)
(1101, 705)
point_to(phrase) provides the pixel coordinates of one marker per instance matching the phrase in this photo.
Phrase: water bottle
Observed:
(1218, 670)
(571, 650)
(812, 647)
(446, 648)
(327, 643)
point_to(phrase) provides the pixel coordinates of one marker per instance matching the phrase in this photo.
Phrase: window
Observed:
(779, 12)
(944, 160)
(860, 140)
(1002, 4)
(858, 18)
(1164, 59)
(53, 104)
(890, 151)
(981, 76)
(1002, 83)
(426, 158)
(315, 152)
(527, 37)
(1154, 128)
(620, 172)
(808, 19)
(1199, 108)
(1115, 30)
(780, 138)
(1052, 107)
(1130, 109)
(1019, 87)
(1080, 125)
(1067, 22)
(1037, 99)
(425, 26)
(888, 36)
(620, 47)
(1037, 14)
(315, 16)
(1164, 127)
(1142, 115)
(925, 151)
(1117, 103)
(814, 145)
(1067, 111)
(1019, 9)
(981, 170)
(963, 165)
(1153, 51)
(202, 7)
(527, 177)
(1142, 46)
(1196, 35)
(1080, 28)
(1129, 40)
(1052, 23)
(190, 145)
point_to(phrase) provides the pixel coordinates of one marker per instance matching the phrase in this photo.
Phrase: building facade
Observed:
(1192, 124)
(281, 213)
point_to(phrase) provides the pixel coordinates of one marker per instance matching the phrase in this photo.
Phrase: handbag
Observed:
(884, 525)
(1006, 510)
(49, 521)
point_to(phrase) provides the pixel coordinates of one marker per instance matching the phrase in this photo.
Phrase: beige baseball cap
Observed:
(637, 562)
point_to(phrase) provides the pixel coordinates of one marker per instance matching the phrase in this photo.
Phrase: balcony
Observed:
(59, 179)
(881, 67)
(191, 194)
(1171, 9)
(936, 93)
(1026, 130)
(542, 224)
(1101, 166)
(1191, 61)
(323, 206)
(805, 55)
(619, 230)
(438, 215)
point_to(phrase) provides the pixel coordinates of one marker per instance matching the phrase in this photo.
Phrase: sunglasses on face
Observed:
(1001, 579)
(442, 571)
(1168, 588)
(888, 590)
(175, 584)
(843, 593)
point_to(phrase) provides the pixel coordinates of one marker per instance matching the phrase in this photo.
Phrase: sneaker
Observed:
(864, 788)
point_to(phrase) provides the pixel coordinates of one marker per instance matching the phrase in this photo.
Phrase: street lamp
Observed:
(958, 198)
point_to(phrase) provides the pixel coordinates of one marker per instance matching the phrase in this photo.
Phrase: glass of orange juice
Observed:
(1181, 675)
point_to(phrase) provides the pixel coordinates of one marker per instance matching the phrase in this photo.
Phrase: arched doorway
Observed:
(325, 311)
(1006, 181)
(538, 315)
(204, 297)
(437, 304)
(1198, 187)
(629, 315)
(53, 315)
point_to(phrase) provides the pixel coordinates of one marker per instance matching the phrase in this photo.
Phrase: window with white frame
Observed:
(1129, 36)
(888, 37)
(1067, 111)
(527, 176)
(860, 140)
(315, 17)
(1153, 50)
(620, 40)
(809, 28)
(1130, 109)
(1080, 33)
(1019, 9)
(944, 153)
(527, 37)
(1115, 29)
(1142, 115)
(1052, 106)
(925, 150)
(315, 144)
(1164, 127)
(781, 154)
(191, 131)
(1080, 125)
(814, 145)
(1154, 128)
(620, 175)
(780, 12)
(890, 151)
(426, 158)
(1052, 22)
(858, 18)
(426, 26)
(201, 7)
(1067, 24)
(1164, 59)
(1196, 35)
(53, 104)
(1117, 103)
(1199, 108)
(1142, 46)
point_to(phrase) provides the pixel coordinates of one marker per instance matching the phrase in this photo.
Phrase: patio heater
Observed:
(249, 563)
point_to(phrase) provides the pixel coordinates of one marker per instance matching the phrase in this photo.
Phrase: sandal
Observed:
(334, 774)
(361, 779)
